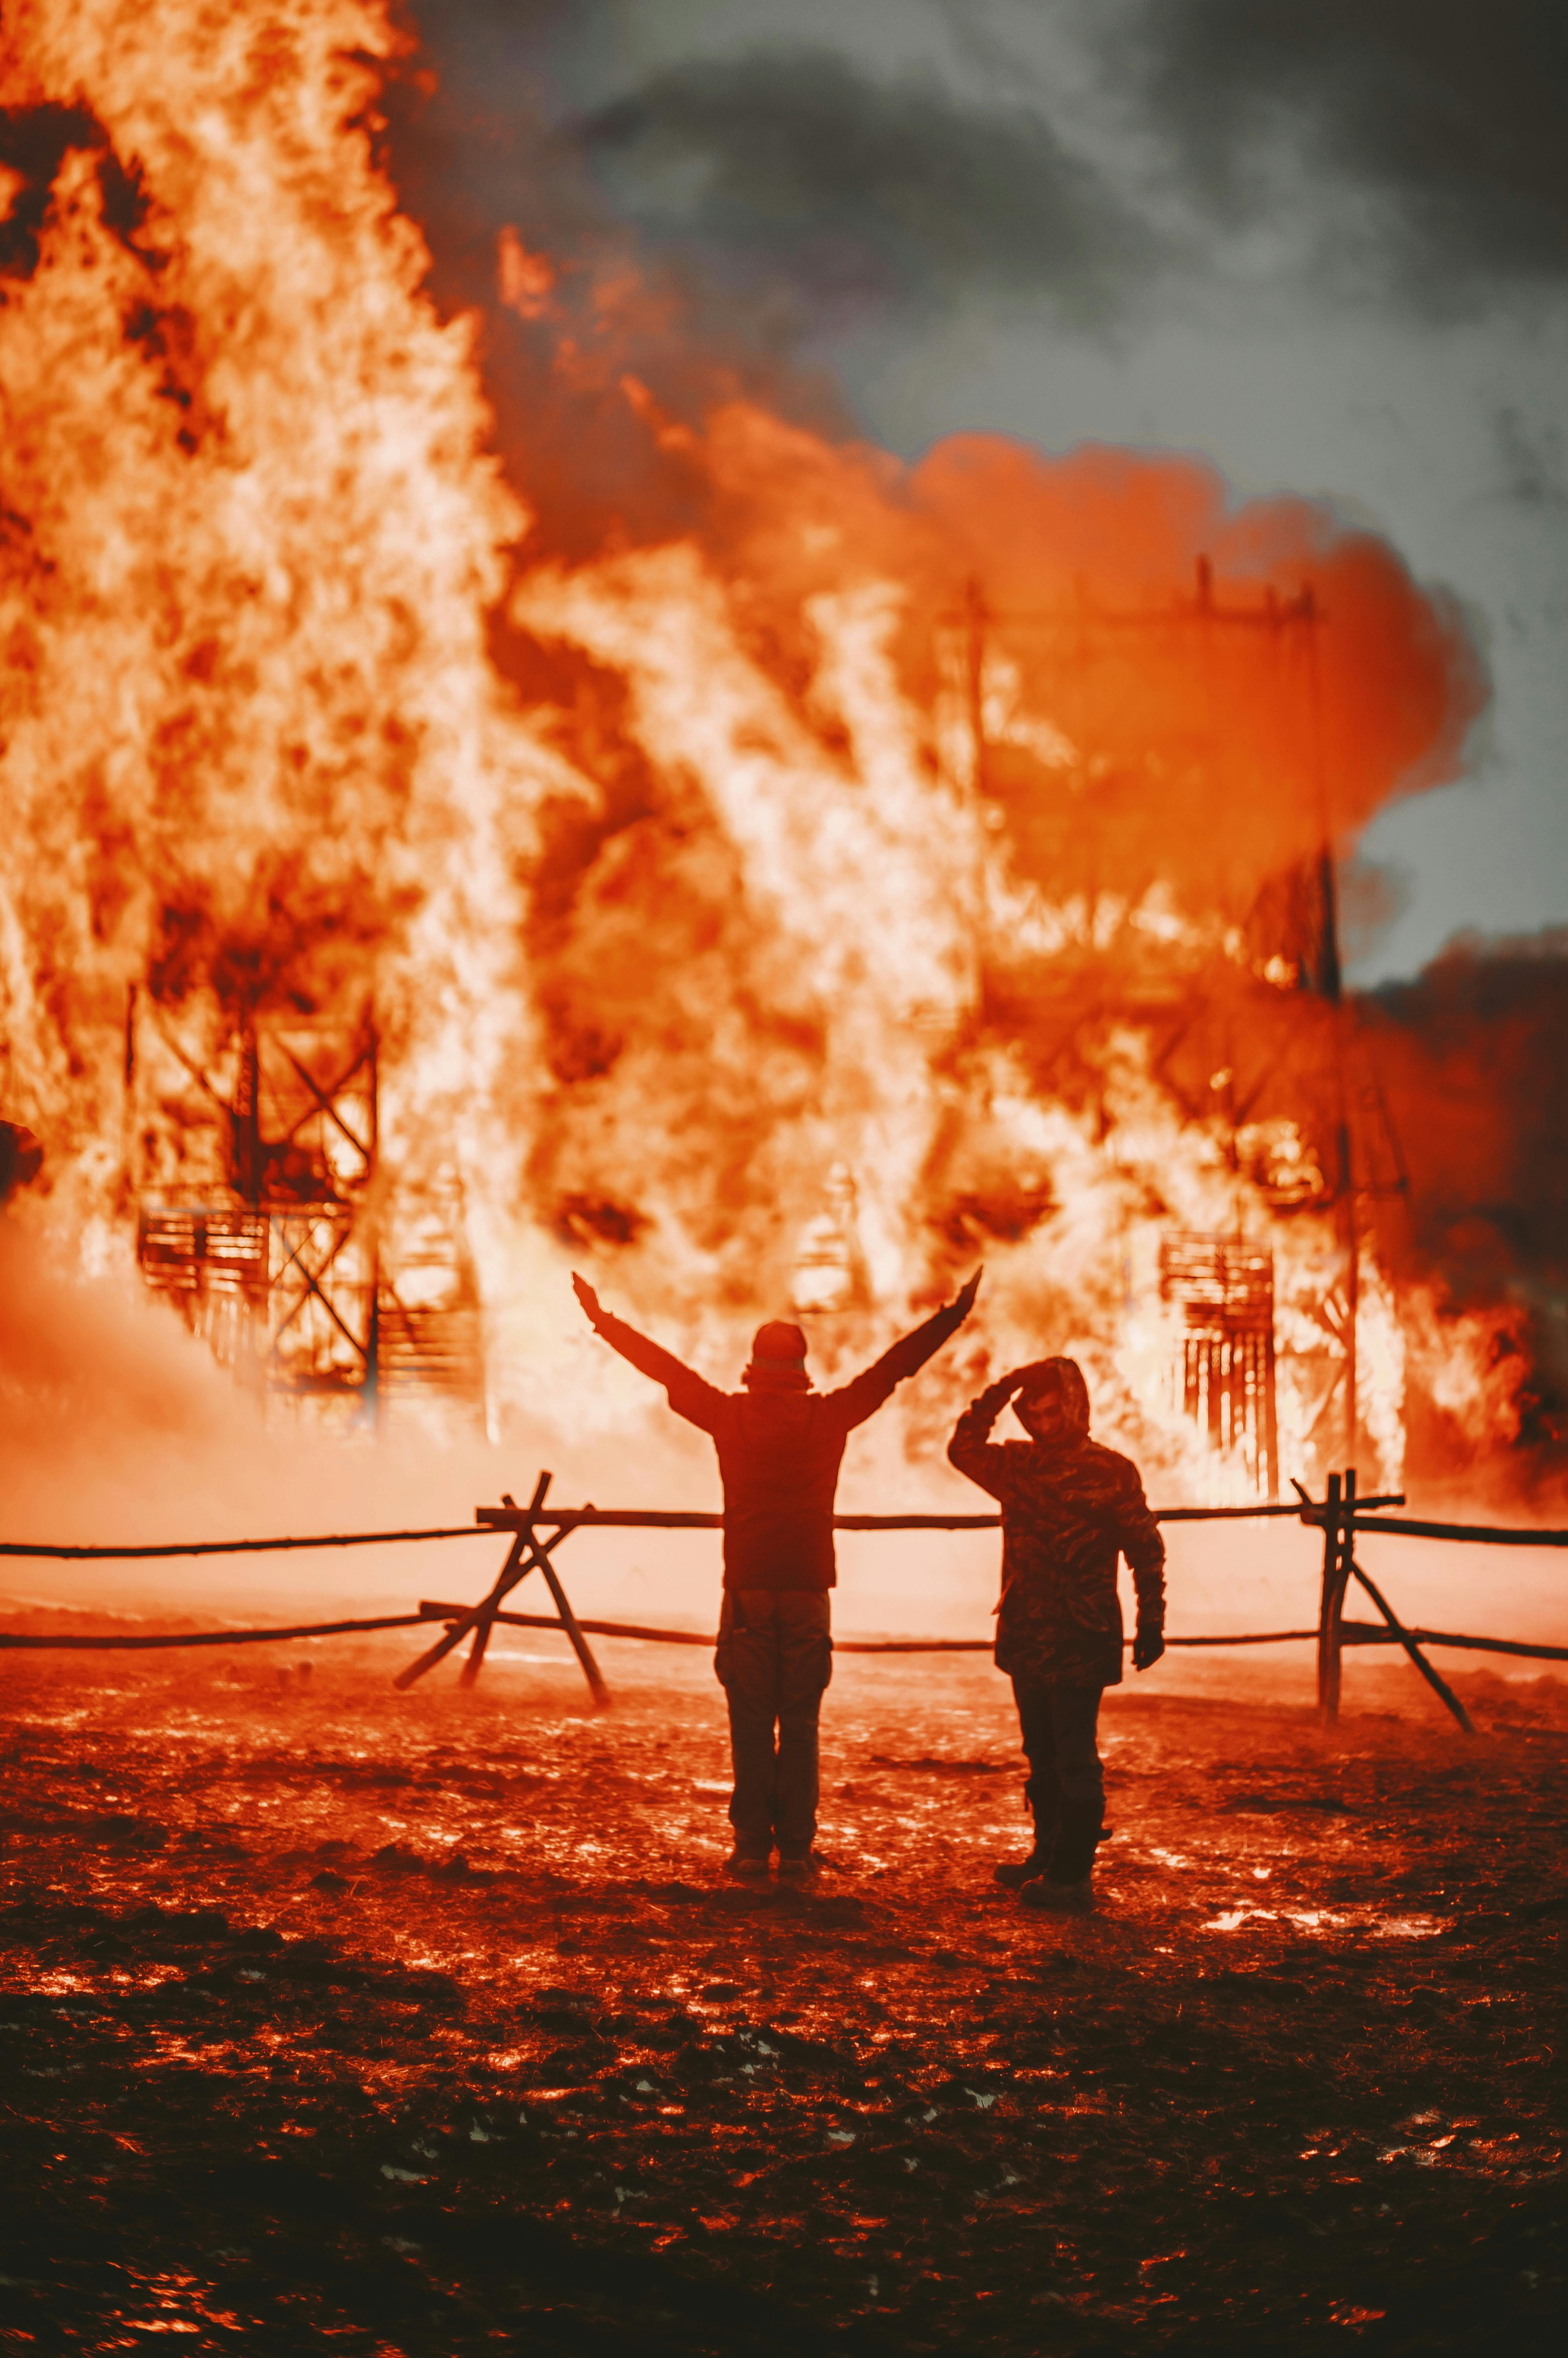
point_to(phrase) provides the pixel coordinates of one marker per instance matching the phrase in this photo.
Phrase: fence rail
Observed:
(490, 1519)
(235, 1547)
(1476, 1534)
(134, 1645)
(1341, 1515)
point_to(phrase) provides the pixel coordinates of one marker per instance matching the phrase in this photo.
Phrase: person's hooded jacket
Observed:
(1068, 1510)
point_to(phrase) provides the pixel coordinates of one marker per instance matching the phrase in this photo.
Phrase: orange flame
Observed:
(791, 907)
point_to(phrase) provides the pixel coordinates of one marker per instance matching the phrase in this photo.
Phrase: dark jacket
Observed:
(779, 1451)
(1066, 1514)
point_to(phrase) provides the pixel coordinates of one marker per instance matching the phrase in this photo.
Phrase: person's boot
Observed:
(1015, 1872)
(1064, 1889)
(747, 1866)
(797, 1866)
(1059, 1898)
(1045, 1809)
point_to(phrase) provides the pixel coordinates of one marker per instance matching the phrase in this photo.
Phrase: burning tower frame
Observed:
(1223, 1282)
(272, 1227)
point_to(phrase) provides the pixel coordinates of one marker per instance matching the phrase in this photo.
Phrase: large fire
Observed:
(889, 868)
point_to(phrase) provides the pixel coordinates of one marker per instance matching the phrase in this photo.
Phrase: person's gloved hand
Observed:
(1148, 1645)
(588, 1299)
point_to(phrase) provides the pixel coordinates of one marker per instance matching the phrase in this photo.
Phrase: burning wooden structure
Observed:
(1245, 1017)
(269, 1230)
(693, 832)
(1225, 1289)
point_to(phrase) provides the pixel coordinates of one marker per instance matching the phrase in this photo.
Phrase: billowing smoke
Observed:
(1466, 1054)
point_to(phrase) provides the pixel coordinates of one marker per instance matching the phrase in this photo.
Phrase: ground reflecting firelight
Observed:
(421, 2024)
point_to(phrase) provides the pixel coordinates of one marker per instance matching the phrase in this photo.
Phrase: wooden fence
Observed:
(1341, 1515)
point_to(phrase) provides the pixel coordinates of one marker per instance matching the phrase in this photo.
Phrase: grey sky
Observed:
(1325, 243)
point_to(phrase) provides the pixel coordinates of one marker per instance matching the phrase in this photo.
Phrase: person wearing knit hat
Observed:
(1070, 1507)
(778, 1358)
(780, 1446)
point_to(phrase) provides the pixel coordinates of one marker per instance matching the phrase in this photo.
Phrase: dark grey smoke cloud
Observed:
(1410, 150)
(1449, 117)
(1534, 463)
(803, 165)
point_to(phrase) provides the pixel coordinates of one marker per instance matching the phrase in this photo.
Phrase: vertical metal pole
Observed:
(245, 1119)
(129, 1173)
(1345, 1149)
(1352, 1298)
(1347, 1557)
(375, 1058)
(370, 1390)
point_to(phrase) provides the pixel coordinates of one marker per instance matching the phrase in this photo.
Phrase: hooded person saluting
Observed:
(780, 1446)
(1069, 1508)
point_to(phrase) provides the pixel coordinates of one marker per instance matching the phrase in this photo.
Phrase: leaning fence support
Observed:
(580, 1646)
(522, 1557)
(511, 1573)
(1438, 1684)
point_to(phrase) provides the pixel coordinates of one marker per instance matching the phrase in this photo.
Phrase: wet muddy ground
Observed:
(330, 2017)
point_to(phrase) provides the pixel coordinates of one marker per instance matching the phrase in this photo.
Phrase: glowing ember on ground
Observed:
(381, 2003)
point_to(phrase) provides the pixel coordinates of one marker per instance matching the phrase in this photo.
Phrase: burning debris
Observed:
(876, 866)
(21, 1159)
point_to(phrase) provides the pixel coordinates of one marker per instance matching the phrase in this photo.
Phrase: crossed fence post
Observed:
(524, 1554)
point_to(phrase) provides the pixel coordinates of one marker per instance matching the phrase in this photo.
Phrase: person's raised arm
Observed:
(689, 1393)
(972, 1450)
(860, 1399)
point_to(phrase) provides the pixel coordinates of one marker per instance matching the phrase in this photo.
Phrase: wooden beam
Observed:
(580, 1646)
(520, 1557)
(486, 1621)
(1335, 1575)
(1438, 1684)
(323, 1102)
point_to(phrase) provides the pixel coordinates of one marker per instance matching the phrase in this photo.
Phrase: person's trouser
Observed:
(775, 1658)
(1066, 1789)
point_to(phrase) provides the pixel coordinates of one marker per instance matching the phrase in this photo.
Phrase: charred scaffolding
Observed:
(1246, 1024)
(1225, 1289)
(263, 1216)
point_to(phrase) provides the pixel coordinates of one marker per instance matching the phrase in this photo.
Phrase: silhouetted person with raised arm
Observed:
(780, 1446)
(1069, 1508)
